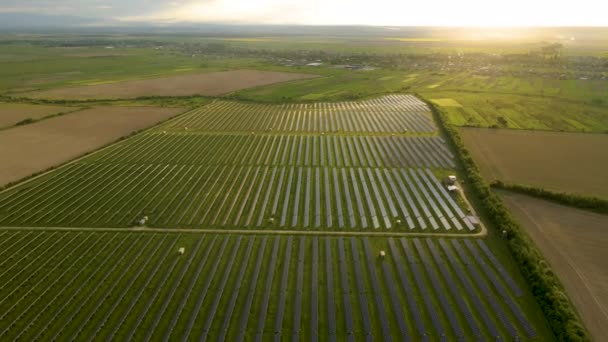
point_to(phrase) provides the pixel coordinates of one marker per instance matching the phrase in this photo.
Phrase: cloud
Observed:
(84, 8)
(366, 12)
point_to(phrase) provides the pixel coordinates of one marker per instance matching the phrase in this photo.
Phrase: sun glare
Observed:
(470, 13)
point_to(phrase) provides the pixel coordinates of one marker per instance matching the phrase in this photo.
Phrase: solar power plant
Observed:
(291, 178)
(73, 286)
(260, 222)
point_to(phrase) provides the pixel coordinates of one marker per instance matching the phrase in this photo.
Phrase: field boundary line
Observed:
(566, 258)
(479, 234)
(120, 140)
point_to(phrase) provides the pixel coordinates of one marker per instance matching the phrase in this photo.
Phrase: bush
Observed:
(545, 286)
(25, 122)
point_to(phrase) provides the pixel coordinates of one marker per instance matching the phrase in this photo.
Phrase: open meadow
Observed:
(562, 162)
(33, 148)
(514, 111)
(574, 243)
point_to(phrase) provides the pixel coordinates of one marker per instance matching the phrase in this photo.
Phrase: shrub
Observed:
(25, 122)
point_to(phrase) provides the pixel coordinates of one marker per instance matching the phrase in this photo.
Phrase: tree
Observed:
(502, 122)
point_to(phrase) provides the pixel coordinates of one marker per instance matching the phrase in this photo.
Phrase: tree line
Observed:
(542, 281)
(594, 204)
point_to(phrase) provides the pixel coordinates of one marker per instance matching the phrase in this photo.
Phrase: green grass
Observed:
(524, 112)
(337, 85)
(525, 100)
(40, 68)
(144, 273)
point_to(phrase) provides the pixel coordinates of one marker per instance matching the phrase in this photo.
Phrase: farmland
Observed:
(284, 181)
(568, 162)
(573, 242)
(51, 142)
(211, 83)
(12, 114)
(525, 111)
(334, 288)
(188, 177)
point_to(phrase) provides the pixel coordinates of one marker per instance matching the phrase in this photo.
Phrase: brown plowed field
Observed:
(12, 113)
(212, 84)
(570, 162)
(32, 148)
(574, 242)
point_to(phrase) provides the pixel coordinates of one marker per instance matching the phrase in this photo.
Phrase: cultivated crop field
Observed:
(29, 149)
(574, 243)
(211, 83)
(192, 178)
(96, 285)
(570, 162)
(14, 113)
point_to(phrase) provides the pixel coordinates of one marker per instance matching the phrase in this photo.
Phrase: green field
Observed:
(524, 102)
(283, 196)
(528, 92)
(88, 285)
(28, 68)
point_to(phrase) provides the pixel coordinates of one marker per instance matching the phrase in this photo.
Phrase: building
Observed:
(474, 220)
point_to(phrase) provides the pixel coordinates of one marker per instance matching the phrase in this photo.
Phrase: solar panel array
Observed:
(321, 198)
(235, 288)
(280, 150)
(387, 114)
(278, 180)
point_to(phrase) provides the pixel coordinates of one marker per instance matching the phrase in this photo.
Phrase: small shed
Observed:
(181, 250)
(452, 188)
(382, 254)
(474, 220)
(450, 180)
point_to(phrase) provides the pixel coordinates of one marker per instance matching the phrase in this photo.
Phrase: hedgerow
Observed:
(594, 204)
(544, 284)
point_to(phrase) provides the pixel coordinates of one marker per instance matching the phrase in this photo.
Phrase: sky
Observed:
(329, 12)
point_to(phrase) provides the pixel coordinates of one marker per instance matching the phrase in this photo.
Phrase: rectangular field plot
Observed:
(280, 150)
(240, 197)
(387, 114)
(136, 286)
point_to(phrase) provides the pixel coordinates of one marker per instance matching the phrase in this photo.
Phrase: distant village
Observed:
(546, 62)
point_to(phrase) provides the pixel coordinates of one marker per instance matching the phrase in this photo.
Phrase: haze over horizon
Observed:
(471, 13)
